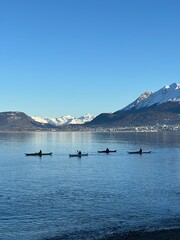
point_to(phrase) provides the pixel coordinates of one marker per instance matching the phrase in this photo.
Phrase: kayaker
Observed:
(79, 152)
(107, 150)
(140, 151)
(40, 152)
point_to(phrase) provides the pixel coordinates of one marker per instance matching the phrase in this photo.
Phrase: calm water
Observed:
(57, 197)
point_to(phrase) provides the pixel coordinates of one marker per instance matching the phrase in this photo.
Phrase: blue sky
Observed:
(60, 57)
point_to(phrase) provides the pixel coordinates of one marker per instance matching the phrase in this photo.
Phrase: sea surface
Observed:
(92, 197)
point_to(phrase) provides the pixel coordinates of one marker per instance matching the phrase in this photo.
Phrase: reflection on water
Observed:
(57, 197)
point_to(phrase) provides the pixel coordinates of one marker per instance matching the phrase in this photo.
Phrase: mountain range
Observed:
(161, 107)
(63, 120)
(14, 120)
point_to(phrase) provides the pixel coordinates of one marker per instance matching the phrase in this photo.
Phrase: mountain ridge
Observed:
(147, 99)
(161, 107)
(64, 120)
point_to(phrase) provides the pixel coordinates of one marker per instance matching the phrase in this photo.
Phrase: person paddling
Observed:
(107, 150)
(79, 152)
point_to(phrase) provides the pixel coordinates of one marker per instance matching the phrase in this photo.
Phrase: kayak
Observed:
(105, 151)
(78, 155)
(38, 154)
(138, 152)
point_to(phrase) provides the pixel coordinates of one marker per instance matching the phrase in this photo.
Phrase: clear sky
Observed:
(60, 57)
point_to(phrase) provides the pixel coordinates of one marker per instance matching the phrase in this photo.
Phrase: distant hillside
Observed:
(161, 107)
(19, 121)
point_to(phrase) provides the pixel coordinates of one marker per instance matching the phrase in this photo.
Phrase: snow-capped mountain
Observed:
(64, 120)
(160, 107)
(166, 94)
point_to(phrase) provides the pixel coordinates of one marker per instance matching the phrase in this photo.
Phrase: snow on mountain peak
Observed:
(64, 120)
(165, 94)
(138, 101)
(143, 97)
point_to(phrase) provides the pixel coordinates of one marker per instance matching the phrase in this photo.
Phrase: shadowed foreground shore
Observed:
(173, 234)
